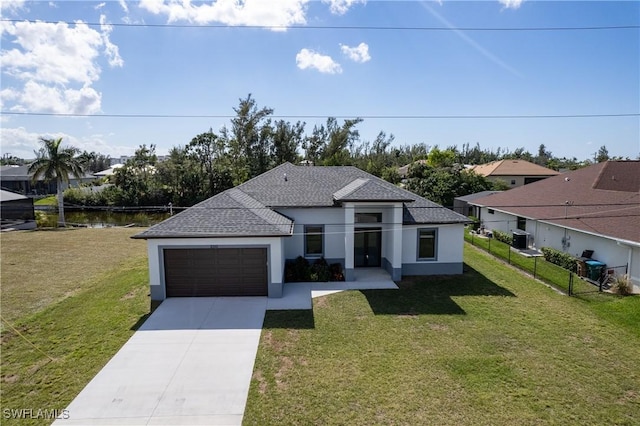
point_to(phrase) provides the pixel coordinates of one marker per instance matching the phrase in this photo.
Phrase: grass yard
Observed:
(47, 201)
(493, 347)
(43, 267)
(95, 288)
(545, 271)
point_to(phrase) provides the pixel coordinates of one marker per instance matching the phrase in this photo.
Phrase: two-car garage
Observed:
(220, 271)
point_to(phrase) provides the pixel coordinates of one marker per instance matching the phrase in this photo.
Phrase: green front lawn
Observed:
(47, 201)
(491, 347)
(70, 300)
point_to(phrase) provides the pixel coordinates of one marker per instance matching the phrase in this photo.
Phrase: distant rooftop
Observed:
(512, 168)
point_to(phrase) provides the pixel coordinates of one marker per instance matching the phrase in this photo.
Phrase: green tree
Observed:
(55, 162)
(375, 157)
(443, 184)
(602, 154)
(209, 153)
(94, 161)
(315, 144)
(246, 140)
(340, 139)
(544, 156)
(441, 158)
(286, 138)
(137, 179)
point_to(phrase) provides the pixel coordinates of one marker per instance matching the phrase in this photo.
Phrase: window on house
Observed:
(368, 217)
(522, 223)
(313, 241)
(427, 243)
(490, 211)
(513, 181)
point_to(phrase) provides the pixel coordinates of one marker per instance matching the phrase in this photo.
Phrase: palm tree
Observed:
(54, 162)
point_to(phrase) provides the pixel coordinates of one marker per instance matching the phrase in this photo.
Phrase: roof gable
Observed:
(369, 190)
(230, 213)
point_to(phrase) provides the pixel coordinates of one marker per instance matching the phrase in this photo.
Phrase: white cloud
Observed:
(360, 53)
(340, 7)
(511, 4)
(123, 5)
(37, 97)
(100, 6)
(57, 63)
(110, 49)
(325, 64)
(11, 6)
(21, 143)
(282, 13)
(53, 5)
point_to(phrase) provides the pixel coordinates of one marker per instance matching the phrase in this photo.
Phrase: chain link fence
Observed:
(535, 265)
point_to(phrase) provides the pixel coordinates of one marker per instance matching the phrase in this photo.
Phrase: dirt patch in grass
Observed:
(43, 267)
(321, 302)
(262, 383)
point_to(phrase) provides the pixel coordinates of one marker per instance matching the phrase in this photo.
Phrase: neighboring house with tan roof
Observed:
(237, 242)
(514, 173)
(595, 208)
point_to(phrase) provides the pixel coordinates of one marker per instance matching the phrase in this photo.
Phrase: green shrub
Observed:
(559, 258)
(89, 197)
(501, 236)
(475, 225)
(299, 270)
(336, 272)
(44, 220)
(319, 271)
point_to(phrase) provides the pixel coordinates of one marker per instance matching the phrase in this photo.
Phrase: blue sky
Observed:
(173, 62)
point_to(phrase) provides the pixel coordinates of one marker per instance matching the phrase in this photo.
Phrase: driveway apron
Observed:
(190, 363)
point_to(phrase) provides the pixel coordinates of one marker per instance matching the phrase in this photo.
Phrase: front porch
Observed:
(299, 295)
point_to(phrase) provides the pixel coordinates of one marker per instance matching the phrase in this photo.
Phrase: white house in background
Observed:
(237, 242)
(595, 208)
(108, 172)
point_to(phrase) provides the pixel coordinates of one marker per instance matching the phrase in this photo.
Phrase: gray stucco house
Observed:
(237, 242)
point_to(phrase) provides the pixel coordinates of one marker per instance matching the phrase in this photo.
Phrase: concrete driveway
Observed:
(190, 363)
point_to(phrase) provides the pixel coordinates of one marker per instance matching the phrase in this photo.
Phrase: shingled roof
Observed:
(602, 199)
(512, 168)
(230, 213)
(250, 209)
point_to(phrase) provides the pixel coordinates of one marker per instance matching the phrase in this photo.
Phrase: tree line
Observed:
(254, 142)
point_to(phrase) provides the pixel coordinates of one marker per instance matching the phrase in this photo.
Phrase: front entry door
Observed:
(367, 247)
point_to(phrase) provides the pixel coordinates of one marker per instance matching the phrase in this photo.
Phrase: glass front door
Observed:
(367, 247)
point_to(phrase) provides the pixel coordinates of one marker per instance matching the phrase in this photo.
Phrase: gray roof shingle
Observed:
(229, 214)
(248, 209)
(370, 190)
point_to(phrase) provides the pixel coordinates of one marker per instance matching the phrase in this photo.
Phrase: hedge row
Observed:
(300, 270)
(559, 258)
(504, 237)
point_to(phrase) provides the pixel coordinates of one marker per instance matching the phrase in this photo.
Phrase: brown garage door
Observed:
(215, 272)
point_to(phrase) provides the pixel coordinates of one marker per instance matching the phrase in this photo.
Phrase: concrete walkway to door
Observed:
(190, 363)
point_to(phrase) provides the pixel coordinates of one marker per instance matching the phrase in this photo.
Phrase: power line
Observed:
(335, 27)
(317, 116)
